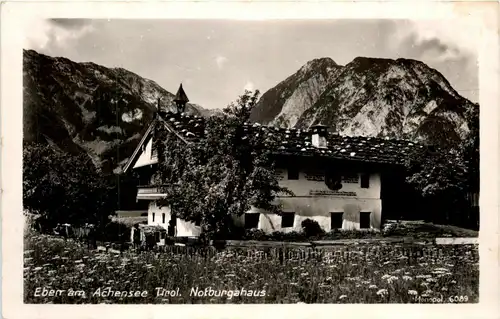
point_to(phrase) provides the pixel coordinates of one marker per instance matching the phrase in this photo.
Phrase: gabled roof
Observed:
(159, 119)
(290, 141)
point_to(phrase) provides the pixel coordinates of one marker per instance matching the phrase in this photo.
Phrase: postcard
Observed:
(198, 159)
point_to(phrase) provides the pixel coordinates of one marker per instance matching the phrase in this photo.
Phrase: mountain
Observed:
(286, 102)
(400, 98)
(85, 107)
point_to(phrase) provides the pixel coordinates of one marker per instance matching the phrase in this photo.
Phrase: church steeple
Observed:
(181, 99)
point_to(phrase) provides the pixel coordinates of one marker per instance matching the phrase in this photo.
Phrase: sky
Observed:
(216, 60)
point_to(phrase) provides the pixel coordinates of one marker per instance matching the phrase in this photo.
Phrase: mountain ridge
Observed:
(103, 112)
(380, 97)
(86, 107)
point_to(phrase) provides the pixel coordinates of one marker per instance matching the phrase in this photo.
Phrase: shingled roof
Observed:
(299, 142)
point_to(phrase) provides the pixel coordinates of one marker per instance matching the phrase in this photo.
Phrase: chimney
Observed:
(319, 134)
(180, 100)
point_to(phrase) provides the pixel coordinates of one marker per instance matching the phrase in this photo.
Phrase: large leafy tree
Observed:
(65, 188)
(220, 176)
(447, 176)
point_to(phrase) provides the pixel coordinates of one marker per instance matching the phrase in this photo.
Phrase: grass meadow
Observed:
(372, 273)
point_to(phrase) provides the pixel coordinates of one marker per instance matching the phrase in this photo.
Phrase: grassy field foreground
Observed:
(58, 271)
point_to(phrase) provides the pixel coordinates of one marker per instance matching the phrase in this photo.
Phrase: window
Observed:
(364, 220)
(153, 216)
(287, 220)
(163, 218)
(365, 180)
(337, 218)
(197, 223)
(251, 220)
(293, 173)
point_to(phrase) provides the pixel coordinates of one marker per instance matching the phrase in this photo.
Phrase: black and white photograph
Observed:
(220, 161)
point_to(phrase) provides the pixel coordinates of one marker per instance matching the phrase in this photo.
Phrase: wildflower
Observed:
(423, 276)
(343, 297)
(453, 282)
(382, 292)
(386, 277)
(37, 268)
(372, 287)
(407, 278)
(412, 292)
(428, 291)
(391, 279)
(78, 261)
(431, 280)
(444, 289)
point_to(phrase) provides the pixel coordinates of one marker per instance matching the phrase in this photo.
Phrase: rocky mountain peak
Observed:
(377, 97)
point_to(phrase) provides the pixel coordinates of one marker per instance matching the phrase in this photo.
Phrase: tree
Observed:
(447, 176)
(223, 175)
(441, 178)
(65, 188)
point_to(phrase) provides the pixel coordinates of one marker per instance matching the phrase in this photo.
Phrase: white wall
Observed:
(303, 186)
(320, 209)
(184, 228)
(146, 157)
(314, 200)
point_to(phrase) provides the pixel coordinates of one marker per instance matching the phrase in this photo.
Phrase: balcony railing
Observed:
(151, 189)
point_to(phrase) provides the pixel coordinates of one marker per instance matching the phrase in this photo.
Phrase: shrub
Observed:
(255, 234)
(311, 228)
(291, 236)
(115, 232)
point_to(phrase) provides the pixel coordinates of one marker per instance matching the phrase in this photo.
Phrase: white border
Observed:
(15, 15)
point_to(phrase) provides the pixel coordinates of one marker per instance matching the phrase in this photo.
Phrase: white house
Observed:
(341, 182)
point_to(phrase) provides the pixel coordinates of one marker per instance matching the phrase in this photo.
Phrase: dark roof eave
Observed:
(338, 158)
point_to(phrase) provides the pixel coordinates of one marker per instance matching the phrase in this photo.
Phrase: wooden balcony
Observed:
(150, 192)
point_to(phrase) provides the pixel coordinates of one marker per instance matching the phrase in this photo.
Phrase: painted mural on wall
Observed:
(323, 192)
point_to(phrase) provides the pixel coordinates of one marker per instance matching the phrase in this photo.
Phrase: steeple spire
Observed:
(181, 99)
